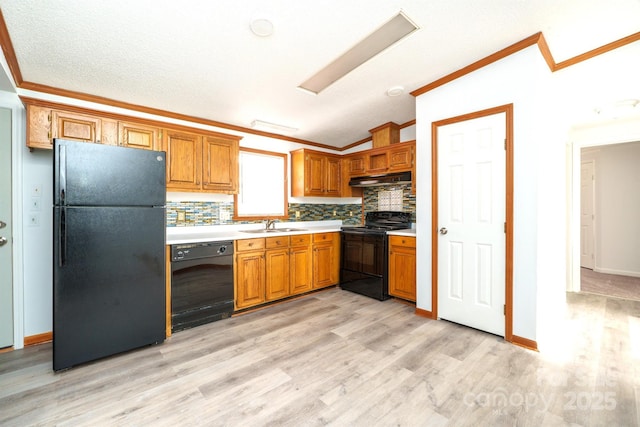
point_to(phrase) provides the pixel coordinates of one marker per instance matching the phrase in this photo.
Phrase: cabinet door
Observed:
(39, 127)
(250, 279)
(109, 132)
(277, 274)
(184, 160)
(356, 164)
(333, 179)
(220, 164)
(402, 267)
(75, 127)
(300, 262)
(401, 158)
(314, 175)
(402, 272)
(322, 265)
(138, 136)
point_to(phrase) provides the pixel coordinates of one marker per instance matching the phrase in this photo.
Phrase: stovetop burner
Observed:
(382, 221)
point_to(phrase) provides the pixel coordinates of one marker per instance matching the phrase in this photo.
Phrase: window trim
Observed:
(285, 157)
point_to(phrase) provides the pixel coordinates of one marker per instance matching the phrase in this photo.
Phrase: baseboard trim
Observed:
(38, 339)
(616, 272)
(424, 313)
(524, 342)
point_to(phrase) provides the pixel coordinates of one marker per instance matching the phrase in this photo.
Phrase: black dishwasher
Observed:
(201, 283)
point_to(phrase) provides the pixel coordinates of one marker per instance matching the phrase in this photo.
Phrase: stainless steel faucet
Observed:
(271, 224)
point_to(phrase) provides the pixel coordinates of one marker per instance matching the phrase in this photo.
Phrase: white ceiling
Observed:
(199, 57)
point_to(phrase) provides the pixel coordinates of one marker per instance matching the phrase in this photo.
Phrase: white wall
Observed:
(546, 107)
(617, 222)
(519, 79)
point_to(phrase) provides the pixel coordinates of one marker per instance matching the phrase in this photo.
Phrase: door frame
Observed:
(593, 200)
(507, 109)
(12, 102)
(608, 133)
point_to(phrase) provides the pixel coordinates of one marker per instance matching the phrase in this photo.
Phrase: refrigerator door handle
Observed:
(63, 172)
(62, 238)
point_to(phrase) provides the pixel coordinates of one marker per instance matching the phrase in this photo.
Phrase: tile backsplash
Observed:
(381, 198)
(394, 197)
(187, 214)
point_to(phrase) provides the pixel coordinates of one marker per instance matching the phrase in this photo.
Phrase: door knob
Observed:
(3, 241)
(443, 230)
(3, 224)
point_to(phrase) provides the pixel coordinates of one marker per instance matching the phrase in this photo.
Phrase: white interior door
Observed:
(6, 282)
(587, 214)
(471, 222)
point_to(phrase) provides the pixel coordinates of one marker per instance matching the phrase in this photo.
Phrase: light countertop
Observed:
(410, 232)
(217, 233)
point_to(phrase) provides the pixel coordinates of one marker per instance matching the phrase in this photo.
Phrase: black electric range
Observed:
(364, 261)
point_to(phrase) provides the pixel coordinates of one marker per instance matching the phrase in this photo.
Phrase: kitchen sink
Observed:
(272, 230)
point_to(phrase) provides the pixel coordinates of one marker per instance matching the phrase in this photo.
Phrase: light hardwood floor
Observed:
(612, 285)
(337, 358)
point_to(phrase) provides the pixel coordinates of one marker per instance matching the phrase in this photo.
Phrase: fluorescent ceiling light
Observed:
(272, 127)
(390, 33)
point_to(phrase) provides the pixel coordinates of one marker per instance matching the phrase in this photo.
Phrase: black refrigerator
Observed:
(108, 250)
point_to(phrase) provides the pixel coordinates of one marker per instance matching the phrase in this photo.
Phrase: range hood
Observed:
(380, 180)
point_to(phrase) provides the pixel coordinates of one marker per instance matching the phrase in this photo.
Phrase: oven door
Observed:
(364, 263)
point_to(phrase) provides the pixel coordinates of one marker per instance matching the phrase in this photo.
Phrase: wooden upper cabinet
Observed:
(315, 173)
(333, 176)
(401, 157)
(384, 135)
(39, 127)
(184, 160)
(355, 164)
(44, 124)
(220, 164)
(75, 127)
(198, 162)
(136, 135)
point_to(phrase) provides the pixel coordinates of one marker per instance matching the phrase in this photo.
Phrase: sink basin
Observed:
(272, 230)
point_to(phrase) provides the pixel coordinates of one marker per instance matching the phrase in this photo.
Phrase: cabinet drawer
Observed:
(250, 244)
(300, 240)
(277, 242)
(323, 237)
(409, 242)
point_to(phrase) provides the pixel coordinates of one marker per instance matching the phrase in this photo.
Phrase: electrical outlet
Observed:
(181, 216)
(35, 203)
(297, 214)
(34, 220)
(350, 213)
(224, 216)
(335, 213)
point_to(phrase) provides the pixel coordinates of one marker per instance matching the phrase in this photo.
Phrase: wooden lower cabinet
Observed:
(326, 259)
(300, 264)
(249, 271)
(277, 267)
(272, 268)
(402, 267)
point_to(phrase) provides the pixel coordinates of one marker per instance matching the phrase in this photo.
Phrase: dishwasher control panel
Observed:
(188, 251)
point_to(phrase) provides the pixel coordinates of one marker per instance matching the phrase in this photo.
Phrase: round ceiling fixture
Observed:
(395, 91)
(261, 27)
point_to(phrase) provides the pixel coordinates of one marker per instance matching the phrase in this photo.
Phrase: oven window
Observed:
(363, 253)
